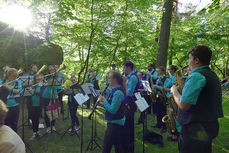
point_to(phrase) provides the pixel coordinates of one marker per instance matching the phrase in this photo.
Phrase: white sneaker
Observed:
(39, 134)
(53, 128)
(48, 130)
(33, 136)
(77, 128)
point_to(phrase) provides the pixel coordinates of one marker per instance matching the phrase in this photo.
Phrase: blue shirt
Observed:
(167, 84)
(132, 83)
(12, 101)
(90, 81)
(173, 79)
(30, 74)
(226, 84)
(154, 75)
(60, 78)
(36, 97)
(193, 86)
(113, 108)
(48, 92)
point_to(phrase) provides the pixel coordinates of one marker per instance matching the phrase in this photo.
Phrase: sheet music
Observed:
(142, 104)
(146, 85)
(86, 88)
(80, 98)
(138, 95)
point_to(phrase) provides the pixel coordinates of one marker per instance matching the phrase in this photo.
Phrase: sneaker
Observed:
(39, 134)
(33, 136)
(77, 128)
(48, 130)
(53, 128)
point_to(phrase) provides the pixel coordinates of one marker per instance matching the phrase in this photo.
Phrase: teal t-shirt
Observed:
(48, 93)
(112, 108)
(36, 97)
(12, 101)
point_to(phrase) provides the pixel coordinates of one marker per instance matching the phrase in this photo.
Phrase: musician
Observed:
(36, 100)
(161, 88)
(61, 78)
(73, 105)
(154, 75)
(49, 96)
(132, 85)
(29, 102)
(200, 103)
(227, 83)
(91, 78)
(10, 142)
(14, 87)
(171, 70)
(5, 68)
(114, 115)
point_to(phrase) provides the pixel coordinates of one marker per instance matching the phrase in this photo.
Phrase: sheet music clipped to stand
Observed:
(141, 102)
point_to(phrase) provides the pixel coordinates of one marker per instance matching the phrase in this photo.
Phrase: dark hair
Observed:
(151, 65)
(162, 68)
(116, 75)
(202, 52)
(174, 67)
(113, 65)
(129, 64)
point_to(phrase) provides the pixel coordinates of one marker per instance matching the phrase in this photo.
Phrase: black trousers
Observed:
(60, 98)
(113, 137)
(46, 118)
(89, 100)
(128, 132)
(36, 114)
(12, 117)
(197, 137)
(161, 112)
(29, 106)
(73, 108)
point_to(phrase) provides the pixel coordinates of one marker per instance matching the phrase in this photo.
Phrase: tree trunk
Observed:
(164, 34)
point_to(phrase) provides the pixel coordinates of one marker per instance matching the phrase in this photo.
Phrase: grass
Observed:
(71, 144)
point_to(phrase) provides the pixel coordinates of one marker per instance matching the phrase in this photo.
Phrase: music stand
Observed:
(93, 126)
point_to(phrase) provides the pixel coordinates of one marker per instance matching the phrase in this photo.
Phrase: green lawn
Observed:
(71, 144)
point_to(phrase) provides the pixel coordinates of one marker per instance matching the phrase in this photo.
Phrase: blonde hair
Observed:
(3, 112)
(9, 72)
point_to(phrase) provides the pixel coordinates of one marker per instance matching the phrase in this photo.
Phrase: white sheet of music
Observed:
(141, 102)
(80, 98)
(146, 86)
(86, 88)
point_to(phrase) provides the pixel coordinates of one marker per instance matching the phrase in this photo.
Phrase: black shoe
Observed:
(163, 130)
(156, 126)
(170, 138)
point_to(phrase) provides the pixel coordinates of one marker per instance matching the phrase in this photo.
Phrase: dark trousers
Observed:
(73, 108)
(128, 132)
(60, 98)
(12, 117)
(46, 118)
(161, 112)
(29, 106)
(197, 137)
(89, 100)
(113, 137)
(36, 114)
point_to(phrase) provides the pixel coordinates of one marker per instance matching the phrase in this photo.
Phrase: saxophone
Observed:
(169, 119)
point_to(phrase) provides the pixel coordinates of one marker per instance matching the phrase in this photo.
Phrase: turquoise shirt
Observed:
(90, 81)
(226, 84)
(30, 74)
(154, 75)
(193, 86)
(48, 92)
(12, 101)
(173, 79)
(36, 97)
(112, 108)
(60, 78)
(132, 82)
(167, 84)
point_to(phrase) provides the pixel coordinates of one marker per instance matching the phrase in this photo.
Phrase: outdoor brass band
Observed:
(181, 99)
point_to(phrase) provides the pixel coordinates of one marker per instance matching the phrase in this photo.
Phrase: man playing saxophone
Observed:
(200, 104)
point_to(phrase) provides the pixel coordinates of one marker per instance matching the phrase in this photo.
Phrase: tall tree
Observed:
(165, 33)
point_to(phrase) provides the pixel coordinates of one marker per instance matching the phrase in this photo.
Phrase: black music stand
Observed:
(94, 136)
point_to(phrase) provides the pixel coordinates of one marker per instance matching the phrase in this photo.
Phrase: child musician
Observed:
(73, 105)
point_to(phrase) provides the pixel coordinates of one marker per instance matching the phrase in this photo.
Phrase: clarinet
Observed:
(97, 102)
